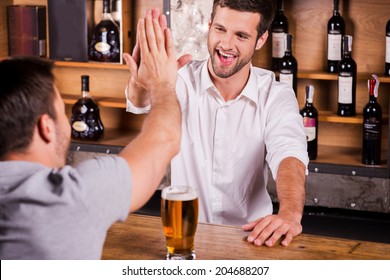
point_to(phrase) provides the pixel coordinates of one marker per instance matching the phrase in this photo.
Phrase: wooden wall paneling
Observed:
(3, 28)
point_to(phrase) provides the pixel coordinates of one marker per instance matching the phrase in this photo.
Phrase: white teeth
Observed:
(226, 54)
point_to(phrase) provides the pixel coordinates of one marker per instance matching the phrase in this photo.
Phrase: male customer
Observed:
(52, 211)
(236, 122)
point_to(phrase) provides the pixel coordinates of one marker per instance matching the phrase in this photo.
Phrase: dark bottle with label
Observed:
(105, 45)
(85, 120)
(372, 126)
(347, 81)
(279, 29)
(336, 28)
(288, 66)
(310, 123)
(387, 59)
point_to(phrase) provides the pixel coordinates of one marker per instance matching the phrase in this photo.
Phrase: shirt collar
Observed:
(250, 90)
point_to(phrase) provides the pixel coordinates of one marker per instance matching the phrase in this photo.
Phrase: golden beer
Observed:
(179, 213)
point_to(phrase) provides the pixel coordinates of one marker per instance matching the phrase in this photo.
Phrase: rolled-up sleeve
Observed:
(284, 133)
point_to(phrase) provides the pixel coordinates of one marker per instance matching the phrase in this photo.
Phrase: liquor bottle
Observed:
(85, 120)
(279, 29)
(310, 123)
(105, 46)
(347, 81)
(336, 28)
(387, 62)
(372, 126)
(288, 66)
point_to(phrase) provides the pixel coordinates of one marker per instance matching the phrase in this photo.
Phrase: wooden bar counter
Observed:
(141, 238)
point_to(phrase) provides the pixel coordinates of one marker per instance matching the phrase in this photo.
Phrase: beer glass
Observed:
(179, 214)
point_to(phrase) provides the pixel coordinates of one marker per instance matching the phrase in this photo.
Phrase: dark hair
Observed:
(26, 92)
(265, 8)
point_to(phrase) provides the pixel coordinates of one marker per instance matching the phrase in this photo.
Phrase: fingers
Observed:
(131, 63)
(136, 53)
(270, 229)
(183, 60)
(169, 43)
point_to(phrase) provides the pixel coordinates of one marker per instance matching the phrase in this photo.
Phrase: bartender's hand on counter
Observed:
(136, 92)
(269, 229)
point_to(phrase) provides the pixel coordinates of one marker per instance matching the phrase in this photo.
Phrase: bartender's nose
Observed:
(227, 41)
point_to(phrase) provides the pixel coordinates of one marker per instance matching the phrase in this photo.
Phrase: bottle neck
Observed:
(84, 86)
(371, 91)
(336, 10)
(280, 6)
(288, 49)
(106, 10)
(347, 46)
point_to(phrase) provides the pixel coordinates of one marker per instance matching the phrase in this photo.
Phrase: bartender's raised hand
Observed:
(269, 229)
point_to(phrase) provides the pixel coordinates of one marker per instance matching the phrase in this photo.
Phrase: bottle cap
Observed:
(309, 93)
(377, 82)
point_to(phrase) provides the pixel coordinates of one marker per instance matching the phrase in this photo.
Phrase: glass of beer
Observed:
(179, 214)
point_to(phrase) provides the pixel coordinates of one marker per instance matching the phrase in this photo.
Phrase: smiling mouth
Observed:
(225, 58)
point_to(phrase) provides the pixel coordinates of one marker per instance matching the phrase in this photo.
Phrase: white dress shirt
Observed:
(227, 147)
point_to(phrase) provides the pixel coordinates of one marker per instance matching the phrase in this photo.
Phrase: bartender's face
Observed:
(232, 40)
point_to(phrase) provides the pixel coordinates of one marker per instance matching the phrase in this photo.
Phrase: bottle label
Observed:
(310, 128)
(286, 79)
(345, 90)
(372, 127)
(80, 126)
(387, 49)
(278, 44)
(334, 46)
(102, 47)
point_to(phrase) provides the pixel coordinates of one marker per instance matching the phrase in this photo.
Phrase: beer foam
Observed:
(181, 193)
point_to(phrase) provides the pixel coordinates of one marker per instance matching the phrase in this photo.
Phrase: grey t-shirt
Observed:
(61, 214)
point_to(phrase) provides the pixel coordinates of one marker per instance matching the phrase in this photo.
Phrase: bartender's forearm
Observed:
(290, 186)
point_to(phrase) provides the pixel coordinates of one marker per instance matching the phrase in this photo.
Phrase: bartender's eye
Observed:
(242, 36)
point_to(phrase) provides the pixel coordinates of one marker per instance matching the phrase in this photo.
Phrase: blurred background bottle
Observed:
(372, 126)
(310, 123)
(279, 29)
(85, 120)
(347, 80)
(336, 29)
(105, 43)
(288, 66)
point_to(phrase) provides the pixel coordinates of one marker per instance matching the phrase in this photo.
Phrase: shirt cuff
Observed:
(133, 109)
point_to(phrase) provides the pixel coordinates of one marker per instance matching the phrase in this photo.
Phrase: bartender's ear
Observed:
(45, 126)
(260, 42)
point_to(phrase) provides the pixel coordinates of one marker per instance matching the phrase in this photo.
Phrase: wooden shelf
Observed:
(328, 116)
(109, 102)
(345, 156)
(322, 75)
(93, 65)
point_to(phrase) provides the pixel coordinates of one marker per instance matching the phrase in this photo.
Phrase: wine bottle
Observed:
(105, 45)
(279, 29)
(336, 28)
(85, 120)
(387, 62)
(372, 126)
(310, 123)
(347, 81)
(288, 66)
